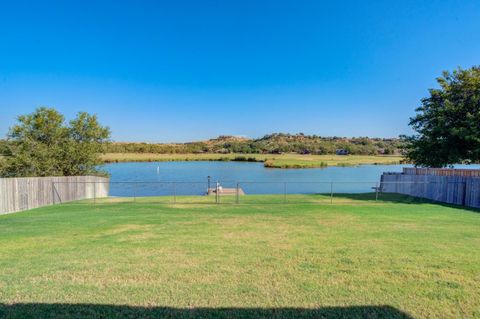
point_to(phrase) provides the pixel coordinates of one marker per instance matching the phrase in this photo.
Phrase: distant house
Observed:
(341, 152)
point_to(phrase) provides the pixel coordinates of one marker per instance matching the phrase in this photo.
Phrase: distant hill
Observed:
(275, 143)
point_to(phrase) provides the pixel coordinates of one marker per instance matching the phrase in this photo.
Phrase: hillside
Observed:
(276, 143)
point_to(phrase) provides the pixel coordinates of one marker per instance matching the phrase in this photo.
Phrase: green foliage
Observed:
(245, 159)
(42, 144)
(447, 125)
(3, 147)
(276, 143)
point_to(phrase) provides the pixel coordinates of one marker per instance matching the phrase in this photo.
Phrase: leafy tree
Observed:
(447, 124)
(3, 147)
(42, 144)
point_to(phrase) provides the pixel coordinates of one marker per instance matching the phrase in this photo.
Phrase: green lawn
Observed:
(395, 258)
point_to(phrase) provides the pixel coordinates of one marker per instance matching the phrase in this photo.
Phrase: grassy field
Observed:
(273, 161)
(357, 258)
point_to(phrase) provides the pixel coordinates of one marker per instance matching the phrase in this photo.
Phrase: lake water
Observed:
(190, 178)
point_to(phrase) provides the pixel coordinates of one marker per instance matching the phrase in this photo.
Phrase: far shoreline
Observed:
(290, 160)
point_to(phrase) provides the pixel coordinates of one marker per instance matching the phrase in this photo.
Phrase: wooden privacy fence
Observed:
(441, 171)
(21, 193)
(452, 189)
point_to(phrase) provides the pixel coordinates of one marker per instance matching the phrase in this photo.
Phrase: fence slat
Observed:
(20, 193)
(448, 187)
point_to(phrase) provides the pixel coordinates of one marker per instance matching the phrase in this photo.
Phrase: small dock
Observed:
(225, 191)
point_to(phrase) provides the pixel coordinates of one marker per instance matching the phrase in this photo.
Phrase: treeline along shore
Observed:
(269, 160)
(275, 150)
(277, 143)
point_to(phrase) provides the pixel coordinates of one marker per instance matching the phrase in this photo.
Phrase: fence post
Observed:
(237, 193)
(376, 191)
(94, 193)
(134, 191)
(331, 192)
(174, 193)
(285, 192)
(53, 193)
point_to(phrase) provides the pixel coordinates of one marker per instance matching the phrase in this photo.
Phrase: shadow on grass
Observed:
(383, 197)
(400, 199)
(69, 311)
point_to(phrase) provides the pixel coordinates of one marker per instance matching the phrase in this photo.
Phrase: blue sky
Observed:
(163, 71)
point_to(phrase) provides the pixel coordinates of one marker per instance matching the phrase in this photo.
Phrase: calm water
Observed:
(190, 178)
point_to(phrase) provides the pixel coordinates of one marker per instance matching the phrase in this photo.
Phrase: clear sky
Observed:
(162, 71)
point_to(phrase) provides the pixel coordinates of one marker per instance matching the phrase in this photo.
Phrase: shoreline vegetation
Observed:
(269, 160)
(277, 150)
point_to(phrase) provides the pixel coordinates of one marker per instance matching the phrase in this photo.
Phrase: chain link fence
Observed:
(242, 192)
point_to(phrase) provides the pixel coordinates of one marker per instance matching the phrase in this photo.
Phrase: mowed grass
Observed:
(357, 258)
(272, 161)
